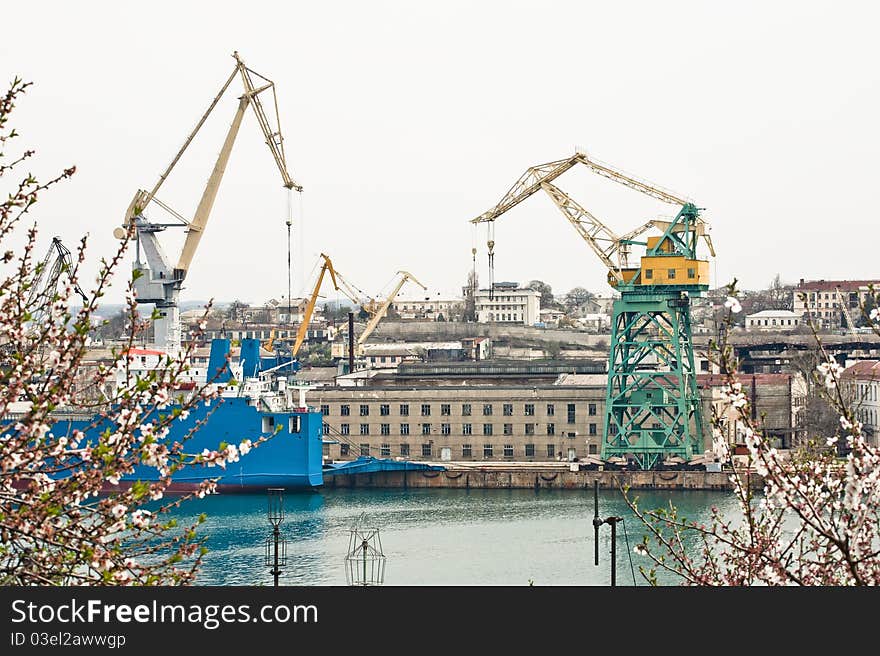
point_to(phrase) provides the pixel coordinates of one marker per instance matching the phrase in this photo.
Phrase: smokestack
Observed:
(351, 342)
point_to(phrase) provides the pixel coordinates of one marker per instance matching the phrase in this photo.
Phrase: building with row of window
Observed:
(861, 385)
(770, 320)
(507, 302)
(472, 420)
(429, 309)
(825, 301)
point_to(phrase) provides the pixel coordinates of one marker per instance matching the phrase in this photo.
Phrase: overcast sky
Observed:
(404, 120)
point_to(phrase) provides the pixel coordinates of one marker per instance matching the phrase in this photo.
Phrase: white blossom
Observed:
(732, 303)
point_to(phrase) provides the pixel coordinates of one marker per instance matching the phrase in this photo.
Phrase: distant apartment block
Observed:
(821, 300)
(507, 302)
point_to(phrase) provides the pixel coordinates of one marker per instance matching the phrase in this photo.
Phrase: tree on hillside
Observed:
(547, 298)
(55, 525)
(469, 291)
(577, 297)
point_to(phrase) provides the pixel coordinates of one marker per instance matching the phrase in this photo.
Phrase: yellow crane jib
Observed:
(310, 306)
(671, 257)
(383, 309)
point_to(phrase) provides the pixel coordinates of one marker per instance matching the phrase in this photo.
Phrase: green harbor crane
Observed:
(653, 414)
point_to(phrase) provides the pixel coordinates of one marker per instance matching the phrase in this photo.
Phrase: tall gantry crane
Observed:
(652, 405)
(156, 280)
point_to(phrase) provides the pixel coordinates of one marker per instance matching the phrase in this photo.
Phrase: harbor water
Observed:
(437, 536)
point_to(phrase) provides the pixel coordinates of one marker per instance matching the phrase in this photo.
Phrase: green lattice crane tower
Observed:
(652, 405)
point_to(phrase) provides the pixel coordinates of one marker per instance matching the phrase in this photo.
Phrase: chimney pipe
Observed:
(351, 342)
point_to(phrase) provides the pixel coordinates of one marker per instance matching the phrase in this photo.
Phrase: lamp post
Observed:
(597, 523)
(276, 549)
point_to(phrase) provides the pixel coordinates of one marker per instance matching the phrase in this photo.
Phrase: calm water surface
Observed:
(434, 537)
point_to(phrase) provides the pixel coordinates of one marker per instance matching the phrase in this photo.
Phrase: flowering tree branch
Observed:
(815, 520)
(64, 517)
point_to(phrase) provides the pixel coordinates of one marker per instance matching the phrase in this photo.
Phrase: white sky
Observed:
(404, 120)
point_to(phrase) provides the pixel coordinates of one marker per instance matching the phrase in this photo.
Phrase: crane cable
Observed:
(289, 267)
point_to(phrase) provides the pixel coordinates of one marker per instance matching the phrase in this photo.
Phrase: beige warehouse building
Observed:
(526, 413)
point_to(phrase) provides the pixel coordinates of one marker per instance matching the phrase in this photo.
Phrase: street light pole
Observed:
(275, 515)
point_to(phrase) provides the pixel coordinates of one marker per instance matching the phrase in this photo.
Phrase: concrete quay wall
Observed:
(497, 478)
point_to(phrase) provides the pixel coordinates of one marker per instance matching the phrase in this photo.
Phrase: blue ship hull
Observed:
(292, 458)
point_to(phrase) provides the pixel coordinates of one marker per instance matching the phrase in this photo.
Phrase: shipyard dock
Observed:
(535, 475)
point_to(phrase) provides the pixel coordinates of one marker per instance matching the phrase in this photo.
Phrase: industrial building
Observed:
(496, 411)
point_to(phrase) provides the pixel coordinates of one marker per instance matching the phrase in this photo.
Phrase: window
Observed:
(404, 429)
(591, 409)
(467, 429)
(692, 273)
(593, 449)
(385, 429)
(345, 410)
(384, 409)
(344, 429)
(551, 450)
(404, 409)
(530, 429)
(466, 451)
(365, 449)
(426, 409)
(487, 450)
(293, 424)
(571, 419)
(325, 450)
(649, 273)
(551, 409)
(444, 429)
(343, 449)
(465, 409)
(384, 449)
(365, 429)
(592, 429)
(426, 449)
(325, 410)
(487, 409)
(426, 429)
(487, 429)
(671, 274)
(508, 429)
(508, 450)
(325, 428)
(530, 409)
(508, 409)
(365, 410)
(404, 449)
(551, 429)
(445, 409)
(530, 450)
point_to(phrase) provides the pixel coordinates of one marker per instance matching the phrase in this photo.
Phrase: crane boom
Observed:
(681, 232)
(600, 238)
(310, 306)
(849, 320)
(380, 312)
(163, 283)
